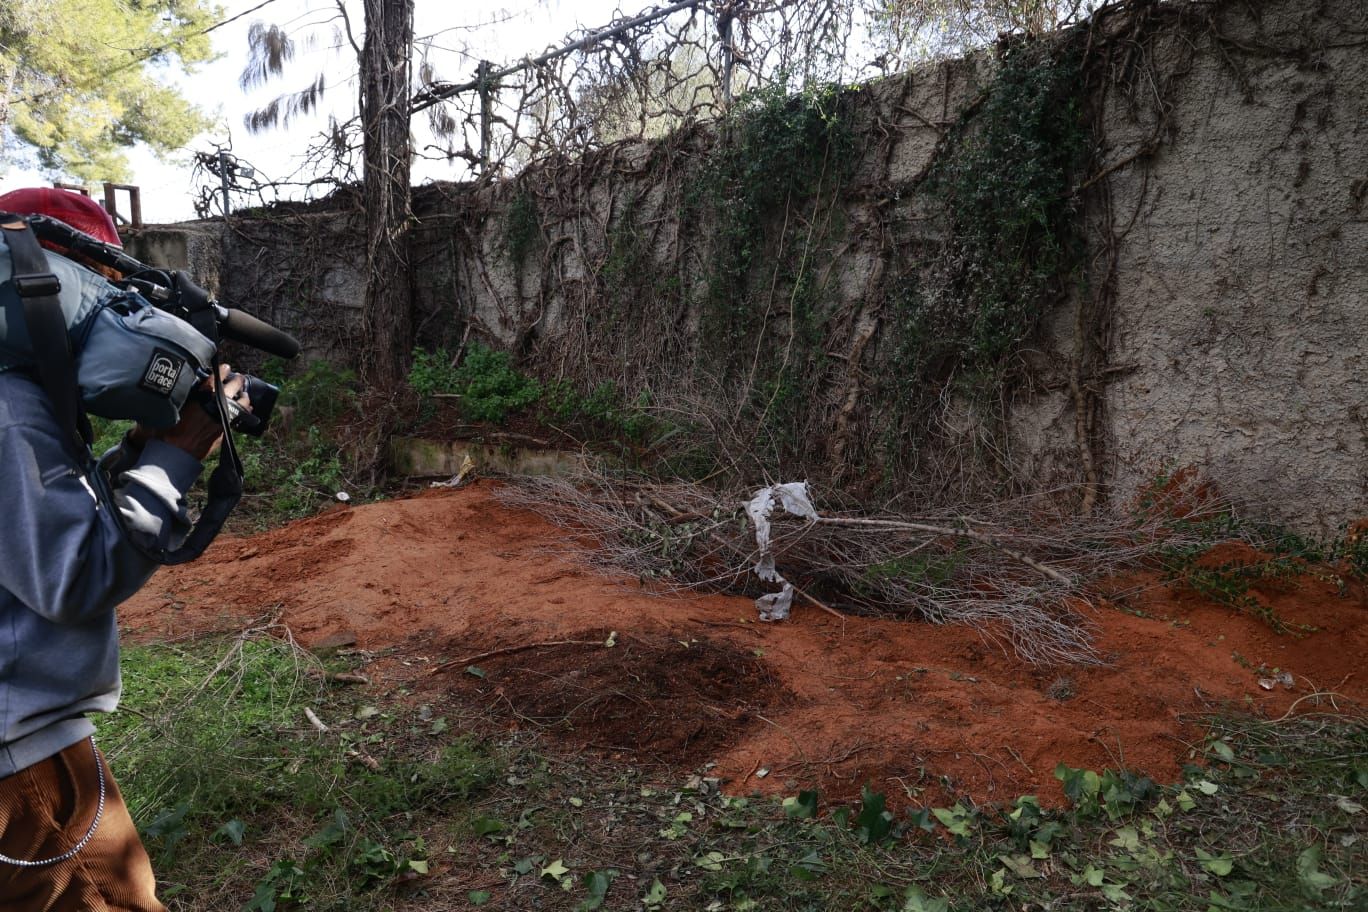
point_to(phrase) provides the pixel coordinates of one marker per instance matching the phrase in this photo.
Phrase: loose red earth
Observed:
(920, 711)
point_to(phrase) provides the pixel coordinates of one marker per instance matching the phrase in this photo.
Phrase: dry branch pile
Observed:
(1019, 572)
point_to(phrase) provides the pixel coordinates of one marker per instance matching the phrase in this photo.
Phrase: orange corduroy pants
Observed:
(44, 811)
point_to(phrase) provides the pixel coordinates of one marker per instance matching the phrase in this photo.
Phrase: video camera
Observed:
(136, 361)
(177, 293)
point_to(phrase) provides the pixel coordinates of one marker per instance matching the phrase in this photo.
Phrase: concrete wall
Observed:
(1234, 340)
(1243, 285)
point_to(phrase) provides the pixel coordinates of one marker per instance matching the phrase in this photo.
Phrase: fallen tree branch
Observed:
(510, 650)
(735, 549)
(964, 532)
(314, 720)
(1020, 571)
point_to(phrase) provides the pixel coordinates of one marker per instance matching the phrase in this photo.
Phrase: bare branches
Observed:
(650, 72)
(1018, 571)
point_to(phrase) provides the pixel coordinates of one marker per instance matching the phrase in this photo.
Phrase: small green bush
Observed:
(433, 372)
(490, 387)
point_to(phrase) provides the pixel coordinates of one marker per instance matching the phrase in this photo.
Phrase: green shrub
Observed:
(490, 387)
(433, 372)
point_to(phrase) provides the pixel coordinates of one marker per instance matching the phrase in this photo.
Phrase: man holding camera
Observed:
(66, 839)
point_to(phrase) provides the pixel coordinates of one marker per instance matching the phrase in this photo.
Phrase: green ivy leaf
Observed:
(1308, 871)
(1220, 865)
(710, 862)
(232, 831)
(1115, 893)
(874, 822)
(486, 826)
(957, 820)
(655, 895)
(1020, 865)
(803, 806)
(916, 900)
(596, 883)
(478, 897)
(1126, 838)
(1223, 751)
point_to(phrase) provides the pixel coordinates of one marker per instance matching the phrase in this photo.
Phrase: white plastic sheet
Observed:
(793, 498)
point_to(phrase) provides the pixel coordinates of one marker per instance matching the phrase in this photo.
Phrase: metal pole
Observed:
(726, 16)
(482, 74)
(223, 174)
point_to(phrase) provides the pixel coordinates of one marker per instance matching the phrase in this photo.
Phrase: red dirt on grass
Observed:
(921, 711)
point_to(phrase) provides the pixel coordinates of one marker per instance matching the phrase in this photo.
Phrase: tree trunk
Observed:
(7, 78)
(385, 66)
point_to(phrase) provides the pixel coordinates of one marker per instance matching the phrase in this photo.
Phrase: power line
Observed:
(221, 24)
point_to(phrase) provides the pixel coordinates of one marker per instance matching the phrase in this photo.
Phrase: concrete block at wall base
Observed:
(417, 457)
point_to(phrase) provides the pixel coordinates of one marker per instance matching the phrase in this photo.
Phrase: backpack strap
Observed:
(38, 288)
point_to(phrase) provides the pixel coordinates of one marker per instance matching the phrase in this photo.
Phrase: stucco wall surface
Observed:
(1243, 284)
(1234, 341)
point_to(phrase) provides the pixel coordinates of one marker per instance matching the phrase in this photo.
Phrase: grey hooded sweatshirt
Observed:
(64, 565)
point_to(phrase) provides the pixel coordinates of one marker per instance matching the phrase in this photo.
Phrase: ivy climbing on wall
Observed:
(1005, 183)
(716, 267)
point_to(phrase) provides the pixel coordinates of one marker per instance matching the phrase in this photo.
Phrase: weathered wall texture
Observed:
(1220, 318)
(1243, 285)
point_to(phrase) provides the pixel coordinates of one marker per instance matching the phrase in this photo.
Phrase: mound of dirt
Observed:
(918, 710)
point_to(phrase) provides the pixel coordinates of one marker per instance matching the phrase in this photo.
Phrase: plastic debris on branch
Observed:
(793, 497)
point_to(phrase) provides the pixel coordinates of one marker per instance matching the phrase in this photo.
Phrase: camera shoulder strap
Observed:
(38, 288)
(224, 487)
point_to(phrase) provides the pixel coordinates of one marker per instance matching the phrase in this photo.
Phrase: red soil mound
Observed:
(916, 709)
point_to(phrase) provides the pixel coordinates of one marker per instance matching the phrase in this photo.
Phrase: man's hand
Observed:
(198, 432)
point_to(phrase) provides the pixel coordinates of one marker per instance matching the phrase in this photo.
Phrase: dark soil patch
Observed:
(658, 699)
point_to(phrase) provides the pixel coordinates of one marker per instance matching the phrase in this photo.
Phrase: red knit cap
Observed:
(77, 210)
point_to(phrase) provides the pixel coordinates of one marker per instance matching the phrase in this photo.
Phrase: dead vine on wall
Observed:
(787, 296)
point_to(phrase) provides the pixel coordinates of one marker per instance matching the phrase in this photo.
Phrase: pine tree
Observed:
(82, 80)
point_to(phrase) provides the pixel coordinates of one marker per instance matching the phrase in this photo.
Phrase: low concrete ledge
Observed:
(418, 457)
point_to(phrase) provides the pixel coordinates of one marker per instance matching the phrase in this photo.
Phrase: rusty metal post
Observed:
(726, 15)
(135, 206)
(482, 75)
(111, 203)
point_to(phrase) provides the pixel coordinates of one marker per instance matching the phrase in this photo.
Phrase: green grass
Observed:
(409, 805)
(237, 791)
